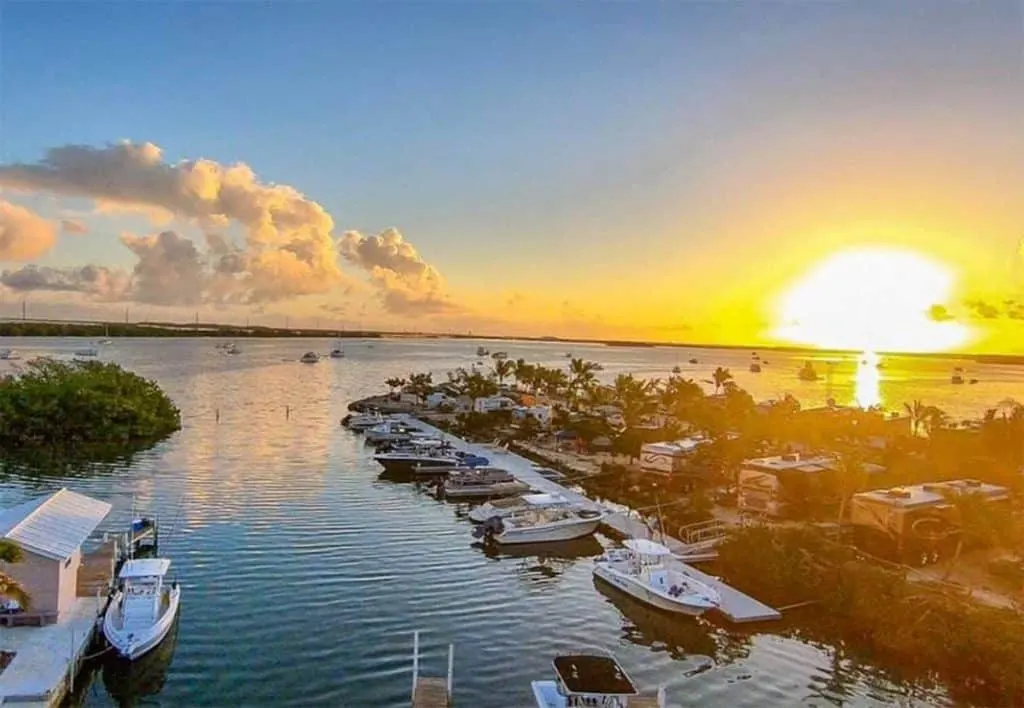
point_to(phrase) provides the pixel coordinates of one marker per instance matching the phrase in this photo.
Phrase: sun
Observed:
(871, 299)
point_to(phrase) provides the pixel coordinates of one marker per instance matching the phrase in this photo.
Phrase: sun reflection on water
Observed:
(866, 382)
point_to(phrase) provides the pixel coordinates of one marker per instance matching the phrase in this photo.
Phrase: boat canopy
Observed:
(145, 568)
(646, 547)
(593, 675)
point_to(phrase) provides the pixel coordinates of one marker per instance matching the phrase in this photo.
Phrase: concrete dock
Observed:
(736, 606)
(46, 658)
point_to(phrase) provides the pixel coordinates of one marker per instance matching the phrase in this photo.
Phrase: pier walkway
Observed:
(736, 606)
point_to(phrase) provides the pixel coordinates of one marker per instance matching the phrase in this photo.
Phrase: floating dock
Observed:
(430, 691)
(736, 606)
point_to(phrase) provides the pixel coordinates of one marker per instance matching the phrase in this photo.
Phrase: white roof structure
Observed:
(55, 525)
(646, 548)
(544, 499)
(144, 568)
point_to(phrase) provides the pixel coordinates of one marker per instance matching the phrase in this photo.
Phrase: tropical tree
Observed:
(9, 587)
(524, 373)
(394, 383)
(503, 368)
(980, 522)
(582, 376)
(634, 397)
(476, 385)
(552, 381)
(933, 418)
(679, 392)
(916, 411)
(421, 384)
(719, 377)
(850, 477)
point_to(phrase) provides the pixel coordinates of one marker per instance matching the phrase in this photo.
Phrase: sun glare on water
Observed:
(871, 300)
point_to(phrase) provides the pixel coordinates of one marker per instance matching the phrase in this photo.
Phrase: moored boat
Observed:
(392, 431)
(481, 483)
(338, 352)
(504, 507)
(640, 570)
(588, 680)
(427, 453)
(87, 352)
(142, 611)
(807, 373)
(539, 525)
(310, 358)
(958, 376)
(363, 421)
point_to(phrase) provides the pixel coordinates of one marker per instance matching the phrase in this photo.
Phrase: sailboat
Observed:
(338, 352)
(106, 336)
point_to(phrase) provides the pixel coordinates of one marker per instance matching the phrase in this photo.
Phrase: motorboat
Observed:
(363, 421)
(8, 355)
(481, 351)
(677, 369)
(958, 376)
(640, 570)
(807, 373)
(540, 525)
(105, 342)
(693, 361)
(310, 358)
(338, 352)
(499, 356)
(481, 483)
(232, 349)
(588, 680)
(467, 463)
(755, 366)
(429, 453)
(143, 609)
(504, 507)
(87, 352)
(392, 431)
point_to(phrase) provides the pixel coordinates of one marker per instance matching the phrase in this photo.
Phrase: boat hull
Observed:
(549, 533)
(490, 491)
(632, 587)
(132, 645)
(408, 464)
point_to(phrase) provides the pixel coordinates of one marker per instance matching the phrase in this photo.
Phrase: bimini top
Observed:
(593, 675)
(145, 568)
(646, 548)
(545, 499)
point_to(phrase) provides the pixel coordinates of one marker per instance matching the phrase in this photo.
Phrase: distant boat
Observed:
(87, 352)
(498, 356)
(755, 367)
(232, 349)
(338, 352)
(807, 373)
(310, 358)
(568, 355)
(105, 342)
(694, 361)
(8, 355)
(480, 351)
(676, 369)
(958, 376)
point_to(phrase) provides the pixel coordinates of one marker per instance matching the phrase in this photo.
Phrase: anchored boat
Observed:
(541, 525)
(640, 570)
(505, 507)
(142, 611)
(481, 483)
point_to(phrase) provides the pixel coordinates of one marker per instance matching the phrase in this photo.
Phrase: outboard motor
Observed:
(489, 528)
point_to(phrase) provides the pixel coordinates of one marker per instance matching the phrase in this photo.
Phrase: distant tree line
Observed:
(28, 328)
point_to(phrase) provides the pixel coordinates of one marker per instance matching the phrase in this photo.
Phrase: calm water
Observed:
(304, 574)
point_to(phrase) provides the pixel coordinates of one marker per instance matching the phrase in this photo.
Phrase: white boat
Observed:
(640, 570)
(8, 355)
(504, 507)
(87, 352)
(588, 680)
(363, 421)
(393, 431)
(425, 453)
(232, 349)
(142, 611)
(481, 483)
(310, 358)
(338, 352)
(105, 342)
(541, 525)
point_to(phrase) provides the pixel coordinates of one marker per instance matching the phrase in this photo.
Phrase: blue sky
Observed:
(569, 148)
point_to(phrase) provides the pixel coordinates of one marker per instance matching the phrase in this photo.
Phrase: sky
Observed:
(660, 171)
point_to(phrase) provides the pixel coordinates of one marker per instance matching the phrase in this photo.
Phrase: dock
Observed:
(736, 606)
(430, 691)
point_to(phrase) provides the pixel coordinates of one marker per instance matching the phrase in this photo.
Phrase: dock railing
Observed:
(430, 692)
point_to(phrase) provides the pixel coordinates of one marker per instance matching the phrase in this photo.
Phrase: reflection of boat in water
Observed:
(807, 373)
(544, 561)
(649, 627)
(128, 682)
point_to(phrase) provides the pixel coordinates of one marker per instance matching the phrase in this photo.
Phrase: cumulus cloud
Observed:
(97, 281)
(408, 285)
(170, 270)
(288, 248)
(73, 227)
(24, 235)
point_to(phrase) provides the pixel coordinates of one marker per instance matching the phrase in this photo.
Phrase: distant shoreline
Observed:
(56, 328)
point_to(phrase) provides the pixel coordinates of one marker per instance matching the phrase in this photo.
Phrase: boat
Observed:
(498, 356)
(392, 431)
(143, 610)
(338, 352)
(958, 376)
(105, 342)
(755, 365)
(639, 569)
(677, 369)
(588, 680)
(480, 351)
(540, 525)
(428, 453)
(362, 421)
(807, 373)
(568, 355)
(467, 462)
(505, 507)
(8, 355)
(310, 358)
(232, 349)
(87, 352)
(693, 361)
(480, 483)
(549, 474)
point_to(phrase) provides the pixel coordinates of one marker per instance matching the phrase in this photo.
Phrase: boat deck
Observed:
(430, 692)
(736, 606)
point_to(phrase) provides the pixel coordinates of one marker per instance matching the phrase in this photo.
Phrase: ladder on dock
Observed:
(430, 691)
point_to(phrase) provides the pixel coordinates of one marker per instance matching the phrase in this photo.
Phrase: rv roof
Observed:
(927, 494)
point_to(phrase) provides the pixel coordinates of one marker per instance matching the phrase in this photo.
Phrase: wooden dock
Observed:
(430, 691)
(736, 606)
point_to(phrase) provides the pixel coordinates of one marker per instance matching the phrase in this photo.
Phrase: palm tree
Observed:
(394, 383)
(634, 397)
(421, 384)
(933, 418)
(720, 377)
(916, 411)
(503, 368)
(9, 587)
(582, 376)
(851, 477)
(523, 373)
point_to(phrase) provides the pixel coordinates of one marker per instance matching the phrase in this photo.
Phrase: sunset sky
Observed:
(705, 172)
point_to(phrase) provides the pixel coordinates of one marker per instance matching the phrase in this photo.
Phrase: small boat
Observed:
(392, 431)
(755, 366)
(232, 349)
(363, 421)
(501, 508)
(337, 353)
(426, 453)
(310, 358)
(142, 611)
(694, 361)
(498, 356)
(588, 680)
(481, 483)
(958, 376)
(105, 342)
(87, 352)
(807, 373)
(540, 525)
(640, 570)
(568, 355)
(973, 381)
(677, 369)
(8, 355)
(480, 351)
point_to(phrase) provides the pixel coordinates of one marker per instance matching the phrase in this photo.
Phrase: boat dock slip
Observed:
(430, 691)
(46, 658)
(736, 606)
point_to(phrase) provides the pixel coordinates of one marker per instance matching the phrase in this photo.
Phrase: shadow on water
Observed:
(543, 561)
(130, 682)
(47, 463)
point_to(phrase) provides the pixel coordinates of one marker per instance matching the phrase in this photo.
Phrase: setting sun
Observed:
(871, 299)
